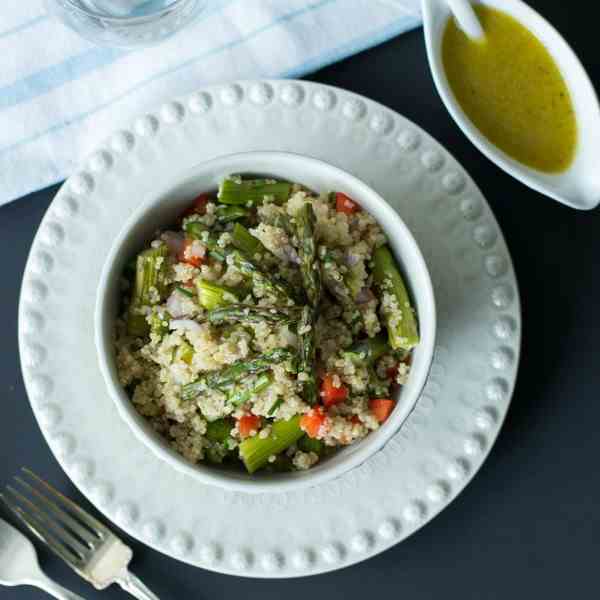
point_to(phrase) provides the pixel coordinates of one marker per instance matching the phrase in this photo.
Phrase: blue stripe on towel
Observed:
(215, 51)
(54, 76)
(70, 69)
(356, 45)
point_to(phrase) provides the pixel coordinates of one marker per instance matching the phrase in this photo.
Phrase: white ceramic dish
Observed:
(579, 185)
(160, 209)
(419, 471)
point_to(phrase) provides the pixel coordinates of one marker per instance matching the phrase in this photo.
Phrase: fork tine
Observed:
(43, 534)
(59, 531)
(85, 534)
(85, 518)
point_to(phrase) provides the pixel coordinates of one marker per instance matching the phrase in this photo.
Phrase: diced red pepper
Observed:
(381, 408)
(330, 394)
(198, 206)
(183, 255)
(355, 420)
(345, 204)
(314, 422)
(391, 372)
(248, 424)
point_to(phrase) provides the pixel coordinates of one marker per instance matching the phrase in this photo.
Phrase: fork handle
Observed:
(130, 583)
(56, 591)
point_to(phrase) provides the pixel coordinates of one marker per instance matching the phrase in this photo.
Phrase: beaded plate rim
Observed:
(81, 196)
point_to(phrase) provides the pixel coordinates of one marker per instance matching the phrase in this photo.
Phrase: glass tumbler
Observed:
(126, 23)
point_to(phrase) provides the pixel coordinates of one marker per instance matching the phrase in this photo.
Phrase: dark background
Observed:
(528, 526)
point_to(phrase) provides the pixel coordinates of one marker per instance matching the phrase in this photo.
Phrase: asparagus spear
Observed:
(199, 231)
(284, 222)
(281, 464)
(242, 313)
(243, 395)
(255, 451)
(246, 244)
(149, 288)
(217, 452)
(243, 240)
(219, 430)
(354, 318)
(159, 322)
(253, 191)
(226, 214)
(151, 271)
(275, 406)
(369, 350)
(217, 255)
(306, 366)
(241, 368)
(395, 303)
(211, 296)
(236, 372)
(186, 292)
(252, 247)
(334, 282)
(309, 264)
(136, 322)
(260, 278)
(308, 444)
(377, 388)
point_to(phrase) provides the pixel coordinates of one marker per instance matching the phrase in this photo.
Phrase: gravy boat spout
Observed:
(579, 185)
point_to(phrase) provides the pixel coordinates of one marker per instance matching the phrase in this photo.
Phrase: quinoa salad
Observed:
(269, 327)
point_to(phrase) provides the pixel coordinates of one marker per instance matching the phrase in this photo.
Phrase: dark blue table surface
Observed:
(528, 526)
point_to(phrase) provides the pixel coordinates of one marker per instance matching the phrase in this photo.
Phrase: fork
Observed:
(19, 565)
(85, 544)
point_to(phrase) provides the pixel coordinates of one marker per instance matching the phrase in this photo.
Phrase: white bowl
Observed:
(161, 209)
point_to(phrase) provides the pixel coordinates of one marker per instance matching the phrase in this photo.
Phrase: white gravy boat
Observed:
(579, 185)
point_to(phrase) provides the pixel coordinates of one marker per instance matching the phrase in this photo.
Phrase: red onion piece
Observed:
(185, 325)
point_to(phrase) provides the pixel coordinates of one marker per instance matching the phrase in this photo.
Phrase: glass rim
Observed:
(98, 15)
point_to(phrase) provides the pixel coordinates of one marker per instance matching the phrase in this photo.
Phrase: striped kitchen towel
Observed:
(60, 95)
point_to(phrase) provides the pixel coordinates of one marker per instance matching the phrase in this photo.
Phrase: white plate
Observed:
(421, 469)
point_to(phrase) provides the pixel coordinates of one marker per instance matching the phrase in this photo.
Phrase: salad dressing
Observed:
(512, 90)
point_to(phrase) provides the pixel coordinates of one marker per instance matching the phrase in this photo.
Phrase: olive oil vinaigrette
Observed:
(509, 86)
